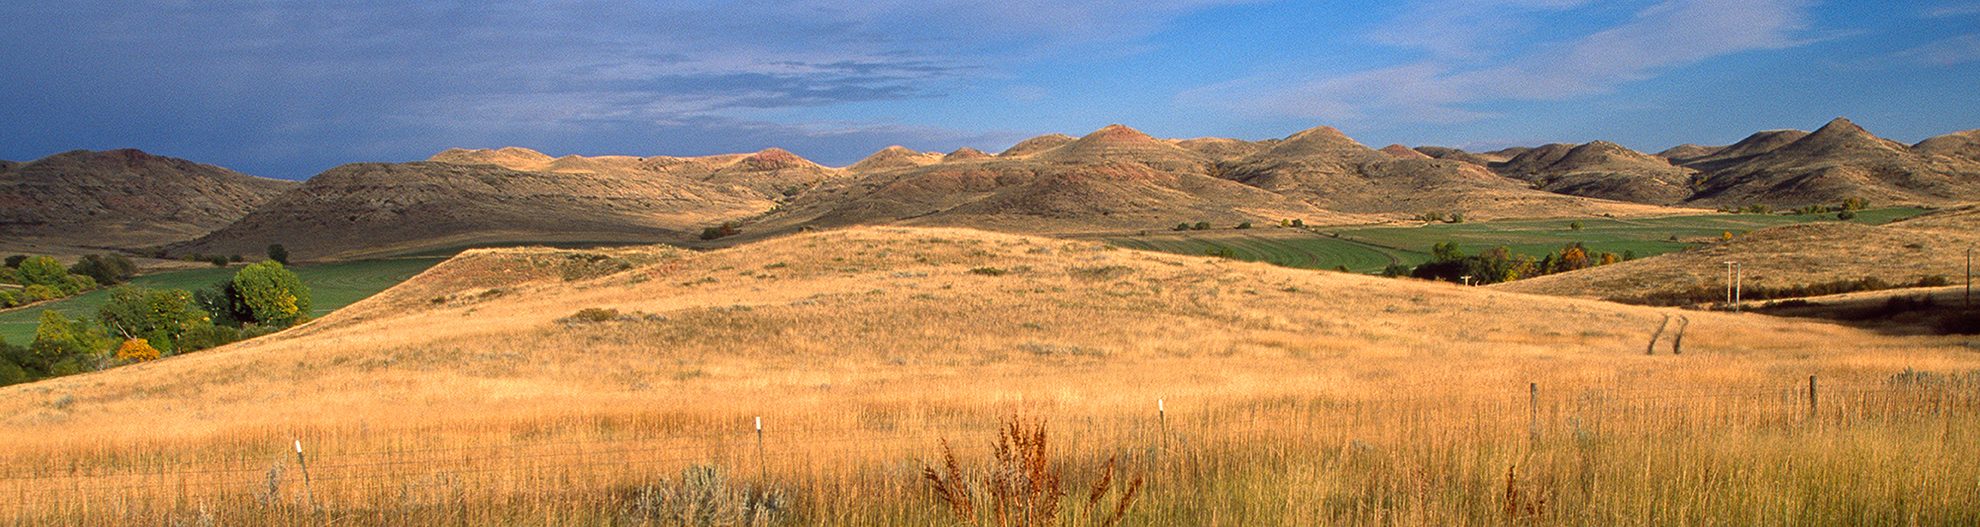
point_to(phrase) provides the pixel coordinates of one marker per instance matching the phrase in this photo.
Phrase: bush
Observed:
(593, 314)
(271, 294)
(38, 292)
(726, 229)
(1244, 225)
(278, 253)
(206, 337)
(44, 271)
(14, 262)
(216, 260)
(1574, 226)
(1299, 223)
(8, 299)
(1181, 226)
(106, 269)
(1395, 270)
(1846, 215)
(136, 350)
(76, 283)
(1202, 226)
(989, 271)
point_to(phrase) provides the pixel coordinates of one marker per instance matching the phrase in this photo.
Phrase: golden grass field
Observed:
(474, 395)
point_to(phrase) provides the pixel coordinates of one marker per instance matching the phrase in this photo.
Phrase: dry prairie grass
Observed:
(472, 395)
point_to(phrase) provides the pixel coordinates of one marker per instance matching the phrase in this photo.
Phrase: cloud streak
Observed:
(1446, 86)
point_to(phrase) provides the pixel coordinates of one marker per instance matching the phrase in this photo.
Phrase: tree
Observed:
(271, 294)
(278, 253)
(162, 317)
(1846, 215)
(1182, 226)
(11, 371)
(7, 299)
(1299, 223)
(14, 262)
(1244, 225)
(63, 347)
(1202, 226)
(43, 271)
(106, 269)
(1446, 252)
(76, 283)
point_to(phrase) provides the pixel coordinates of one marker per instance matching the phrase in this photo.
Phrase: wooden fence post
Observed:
(1533, 406)
(762, 474)
(1811, 396)
(308, 493)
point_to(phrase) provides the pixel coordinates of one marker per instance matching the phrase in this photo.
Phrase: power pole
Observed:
(1739, 286)
(1729, 282)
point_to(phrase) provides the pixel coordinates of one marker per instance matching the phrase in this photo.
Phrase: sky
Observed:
(291, 88)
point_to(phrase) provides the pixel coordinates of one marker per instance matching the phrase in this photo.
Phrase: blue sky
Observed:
(288, 89)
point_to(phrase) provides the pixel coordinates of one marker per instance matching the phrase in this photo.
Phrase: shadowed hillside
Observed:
(123, 199)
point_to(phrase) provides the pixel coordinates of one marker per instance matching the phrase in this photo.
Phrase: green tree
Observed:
(11, 371)
(63, 347)
(271, 294)
(76, 283)
(43, 271)
(1446, 252)
(107, 269)
(162, 317)
(14, 262)
(278, 253)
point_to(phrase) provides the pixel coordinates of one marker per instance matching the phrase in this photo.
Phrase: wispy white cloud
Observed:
(1449, 85)
(1945, 52)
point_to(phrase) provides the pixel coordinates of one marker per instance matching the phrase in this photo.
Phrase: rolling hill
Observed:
(1899, 253)
(376, 209)
(1112, 179)
(123, 199)
(1839, 161)
(865, 311)
(1600, 169)
(1332, 171)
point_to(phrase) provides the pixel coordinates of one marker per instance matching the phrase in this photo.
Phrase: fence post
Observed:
(1811, 396)
(1533, 406)
(308, 493)
(762, 474)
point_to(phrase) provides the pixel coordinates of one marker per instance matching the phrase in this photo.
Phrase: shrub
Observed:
(206, 337)
(1244, 225)
(1846, 215)
(136, 350)
(1395, 270)
(272, 294)
(1181, 226)
(14, 262)
(1202, 226)
(37, 292)
(42, 270)
(278, 253)
(8, 299)
(107, 269)
(1023, 484)
(76, 283)
(989, 271)
(1574, 225)
(216, 260)
(704, 496)
(726, 229)
(1299, 222)
(593, 314)
(1456, 217)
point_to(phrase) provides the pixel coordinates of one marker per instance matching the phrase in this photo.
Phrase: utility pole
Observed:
(1739, 285)
(1729, 282)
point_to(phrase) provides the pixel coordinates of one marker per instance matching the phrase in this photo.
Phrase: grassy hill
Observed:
(553, 385)
(1899, 253)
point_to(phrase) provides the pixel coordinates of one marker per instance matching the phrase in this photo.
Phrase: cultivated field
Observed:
(332, 286)
(540, 386)
(1369, 249)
